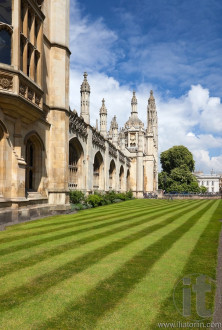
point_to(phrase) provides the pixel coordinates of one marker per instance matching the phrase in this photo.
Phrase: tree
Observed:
(178, 164)
(176, 157)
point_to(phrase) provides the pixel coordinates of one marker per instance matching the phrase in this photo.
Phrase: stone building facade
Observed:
(34, 106)
(46, 149)
(116, 159)
(210, 181)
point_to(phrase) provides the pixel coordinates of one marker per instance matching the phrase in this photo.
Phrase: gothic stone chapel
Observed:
(45, 148)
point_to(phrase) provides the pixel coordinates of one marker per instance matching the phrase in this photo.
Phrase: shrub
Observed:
(76, 196)
(94, 200)
(129, 194)
(117, 200)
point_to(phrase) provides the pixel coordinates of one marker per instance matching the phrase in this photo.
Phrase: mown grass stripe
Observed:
(204, 250)
(34, 259)
(108, 293)
(73, 224)
(84, 215)
(120, 220)
(40, 284)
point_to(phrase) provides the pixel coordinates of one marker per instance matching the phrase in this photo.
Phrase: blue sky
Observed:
(171, 46)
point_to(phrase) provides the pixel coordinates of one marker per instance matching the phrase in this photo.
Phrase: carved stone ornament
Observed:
(98, 140)
(6, 83)
(22, 90)
(112, 151)
(37, 99)
(121, 157)
(30, 94)
(77, 124)
(128, 162)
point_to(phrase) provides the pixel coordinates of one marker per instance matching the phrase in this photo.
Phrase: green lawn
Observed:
(113, 267)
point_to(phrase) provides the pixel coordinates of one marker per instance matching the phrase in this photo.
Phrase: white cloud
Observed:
(90, 41)
(178, 118)
(193, 119)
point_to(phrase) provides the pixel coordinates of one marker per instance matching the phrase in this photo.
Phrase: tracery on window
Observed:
(31, 40)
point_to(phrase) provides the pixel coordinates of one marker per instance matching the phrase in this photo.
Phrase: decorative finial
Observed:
(85, 85)
(85, 75)
(103, 107)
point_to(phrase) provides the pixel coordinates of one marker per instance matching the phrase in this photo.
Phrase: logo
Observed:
(194, 296)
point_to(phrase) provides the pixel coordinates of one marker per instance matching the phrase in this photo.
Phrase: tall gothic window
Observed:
(5, 31)
(6, 11)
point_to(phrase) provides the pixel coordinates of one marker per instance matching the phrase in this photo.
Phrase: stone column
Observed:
(57, 63)
(139, 167)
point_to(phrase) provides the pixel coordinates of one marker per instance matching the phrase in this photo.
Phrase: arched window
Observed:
(75, 164)
(34, 161)
(5, 31)
(98, 175)
(112, 174)
(121, 175)
(5, 47)
(30, 169)
(6, 11)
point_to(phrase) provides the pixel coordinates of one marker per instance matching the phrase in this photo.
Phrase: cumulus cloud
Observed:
(180, 119)
(90, 41)
(193, 119)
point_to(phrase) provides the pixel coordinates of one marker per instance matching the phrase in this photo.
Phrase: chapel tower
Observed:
(85, 99)
(103, 119)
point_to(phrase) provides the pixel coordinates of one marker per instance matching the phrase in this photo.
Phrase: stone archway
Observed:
(98, 172)
(121, 176)
(34, 161)
(76, 156)
(112, 175)
(128, 180)
(3, 168)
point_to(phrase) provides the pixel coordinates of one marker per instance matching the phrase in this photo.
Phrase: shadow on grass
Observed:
(83, 215)
(205, 249)
(108, 293)
(70, 224)
(139, 263)
(36, 258)
(31, 244)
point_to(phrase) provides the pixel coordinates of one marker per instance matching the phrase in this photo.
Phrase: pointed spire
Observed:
(151, 102)
(85, 87)
(114, 124)
(134, 103)
(85, 99)
(103, 109)
(151, 113)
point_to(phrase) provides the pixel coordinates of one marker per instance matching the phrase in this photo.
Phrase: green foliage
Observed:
(76, 196)
(178, 164)
(94, 200)
(175, 157)
(203, 189)
(79, 202)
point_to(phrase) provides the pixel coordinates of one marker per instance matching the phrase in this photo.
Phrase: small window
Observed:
(5, 47)
(212, 189)
(207, 183)
(212, 183)
(6, 11)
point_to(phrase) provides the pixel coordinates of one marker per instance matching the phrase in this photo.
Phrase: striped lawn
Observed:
(113, 267)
